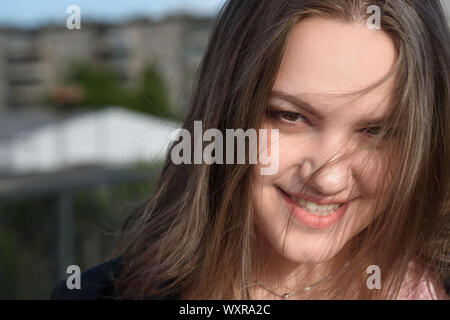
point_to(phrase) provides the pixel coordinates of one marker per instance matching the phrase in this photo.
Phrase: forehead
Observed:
(325, 58)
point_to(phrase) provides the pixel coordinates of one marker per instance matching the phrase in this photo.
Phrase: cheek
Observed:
(265, 200)
(370, 173)
(286, 157)
(269, 218)
(372, 180)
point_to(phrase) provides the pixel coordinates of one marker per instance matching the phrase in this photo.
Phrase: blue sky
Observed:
(29, 13)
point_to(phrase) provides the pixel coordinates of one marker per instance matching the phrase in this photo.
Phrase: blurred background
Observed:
(85, 119)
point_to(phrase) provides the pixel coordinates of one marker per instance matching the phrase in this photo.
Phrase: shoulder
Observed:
(96, 283)
(419, 284)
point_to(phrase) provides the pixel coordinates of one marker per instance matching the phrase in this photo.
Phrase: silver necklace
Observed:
(305, 289)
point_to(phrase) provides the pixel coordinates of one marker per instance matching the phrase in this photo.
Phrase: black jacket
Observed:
(97, 284)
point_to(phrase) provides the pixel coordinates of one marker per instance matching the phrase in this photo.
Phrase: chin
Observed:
(308, 254)
(302, 248)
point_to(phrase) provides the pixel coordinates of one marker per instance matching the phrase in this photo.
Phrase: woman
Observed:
(357, 207)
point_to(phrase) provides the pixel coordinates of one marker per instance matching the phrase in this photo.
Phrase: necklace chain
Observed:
(305, 289)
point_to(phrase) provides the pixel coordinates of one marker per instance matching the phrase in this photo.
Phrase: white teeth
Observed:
(317, 209)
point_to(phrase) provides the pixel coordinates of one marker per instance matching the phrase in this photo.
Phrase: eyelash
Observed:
(278, 114)
(378, 129)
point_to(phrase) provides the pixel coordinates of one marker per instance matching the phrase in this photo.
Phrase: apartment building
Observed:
(34, 62)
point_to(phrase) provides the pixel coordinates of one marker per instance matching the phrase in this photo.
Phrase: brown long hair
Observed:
(196, 237)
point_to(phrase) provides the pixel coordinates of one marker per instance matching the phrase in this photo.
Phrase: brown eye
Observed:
(290, 116)
(373, 131)
(287, 117)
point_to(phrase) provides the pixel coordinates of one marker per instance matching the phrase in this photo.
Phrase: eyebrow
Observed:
(305, 106)
(297, 102)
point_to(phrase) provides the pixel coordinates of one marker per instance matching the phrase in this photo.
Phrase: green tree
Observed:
(151, 96)
(101, 87)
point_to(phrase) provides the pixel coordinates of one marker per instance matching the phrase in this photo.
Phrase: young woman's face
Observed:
(317, 122)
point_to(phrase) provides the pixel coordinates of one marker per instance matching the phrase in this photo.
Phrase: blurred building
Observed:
(33, 62)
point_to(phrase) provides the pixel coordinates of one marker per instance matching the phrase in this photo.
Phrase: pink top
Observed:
(424, 289)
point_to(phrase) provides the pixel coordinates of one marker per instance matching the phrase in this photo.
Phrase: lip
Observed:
(310, 220)
(314, 199)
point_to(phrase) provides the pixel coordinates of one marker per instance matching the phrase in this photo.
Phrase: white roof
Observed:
(112, 136)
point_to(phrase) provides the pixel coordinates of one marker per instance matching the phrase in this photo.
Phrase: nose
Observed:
(327, 170)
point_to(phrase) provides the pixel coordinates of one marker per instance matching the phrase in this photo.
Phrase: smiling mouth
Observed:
(312, 214)
(315, 208)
